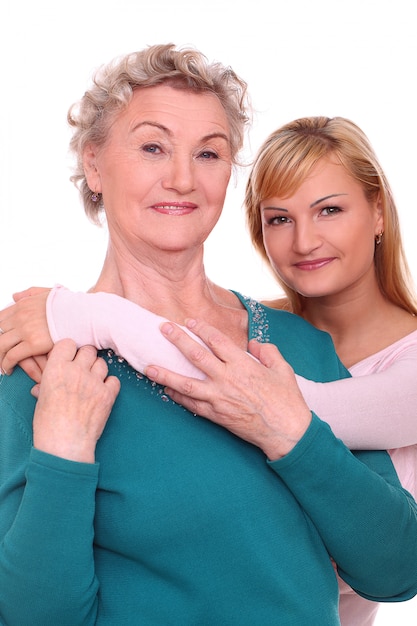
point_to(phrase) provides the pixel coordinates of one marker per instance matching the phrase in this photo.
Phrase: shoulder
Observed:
(308, 350)
(15, 393)
(17, 406)
(280, 317)
(279, 303)
(401, 354)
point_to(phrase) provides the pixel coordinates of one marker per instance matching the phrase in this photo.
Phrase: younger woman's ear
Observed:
(90, 168)
(379, 227)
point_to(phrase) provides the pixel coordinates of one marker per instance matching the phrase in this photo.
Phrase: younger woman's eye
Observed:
(278, 219)
(330, 210)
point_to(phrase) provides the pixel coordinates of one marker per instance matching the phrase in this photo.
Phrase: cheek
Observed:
(215, 184)
(276, 245)
(359, 244)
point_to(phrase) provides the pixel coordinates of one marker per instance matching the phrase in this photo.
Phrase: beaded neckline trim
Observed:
(258, 319)
(258, 329)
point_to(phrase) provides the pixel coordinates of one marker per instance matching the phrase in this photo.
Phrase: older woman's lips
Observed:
(317, 264)
(174, 208)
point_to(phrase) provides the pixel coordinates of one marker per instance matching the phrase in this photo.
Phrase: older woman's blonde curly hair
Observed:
(113, 86)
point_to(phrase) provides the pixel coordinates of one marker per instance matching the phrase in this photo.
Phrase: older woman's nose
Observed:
(180, 174)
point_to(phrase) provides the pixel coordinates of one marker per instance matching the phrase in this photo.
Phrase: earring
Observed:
(378, 238)
(95, 197)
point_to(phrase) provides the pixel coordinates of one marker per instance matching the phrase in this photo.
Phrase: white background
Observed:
(353, 58)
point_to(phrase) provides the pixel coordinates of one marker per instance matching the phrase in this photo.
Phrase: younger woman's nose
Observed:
(306, 238)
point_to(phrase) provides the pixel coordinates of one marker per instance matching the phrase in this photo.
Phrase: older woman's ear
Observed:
(91, 171)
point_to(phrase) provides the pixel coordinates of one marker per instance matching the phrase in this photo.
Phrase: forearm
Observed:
(47, 565)
(46, 523)
(366, 520)
(373, 412)
(106, 320)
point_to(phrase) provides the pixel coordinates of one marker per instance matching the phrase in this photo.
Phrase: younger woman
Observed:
(322, 214)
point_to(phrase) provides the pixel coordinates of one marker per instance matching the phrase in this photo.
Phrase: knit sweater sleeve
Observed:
(106, 320)
(368, 527)
(375, 411)
(46, 528)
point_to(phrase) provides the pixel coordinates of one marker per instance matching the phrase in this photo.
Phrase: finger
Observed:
(65, 349)
(32, 369)
(219, 343)
(198, 354)
(4, 315)
(13, 351)
(23, 315)
(41, 361)
(86, 356)
(99, 367)
(267, 353)
(26, 293)
(184, 385)
(191, 404)
(113, 385)
(35, 390)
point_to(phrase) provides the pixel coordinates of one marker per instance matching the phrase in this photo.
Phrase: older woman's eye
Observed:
(208, 155)
(151, 148)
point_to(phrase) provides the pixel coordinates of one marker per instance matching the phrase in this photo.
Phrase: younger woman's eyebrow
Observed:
(274, 208)
(332, 195)
(312, 205)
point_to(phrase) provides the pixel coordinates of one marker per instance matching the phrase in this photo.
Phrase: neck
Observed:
(361, 321)
(174, 286)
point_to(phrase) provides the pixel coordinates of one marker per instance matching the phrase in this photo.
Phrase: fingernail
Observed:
(151, 372)
(167, 328)
(190, 323)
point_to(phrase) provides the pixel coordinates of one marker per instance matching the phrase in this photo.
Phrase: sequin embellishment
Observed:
(258, 329)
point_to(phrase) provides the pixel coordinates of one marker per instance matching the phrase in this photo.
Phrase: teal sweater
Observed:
(181, 523)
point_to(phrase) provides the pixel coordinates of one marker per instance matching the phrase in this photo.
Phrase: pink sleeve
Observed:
(105, 320)
(373, 411)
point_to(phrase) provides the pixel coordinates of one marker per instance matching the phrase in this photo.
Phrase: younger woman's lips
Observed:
(313, 264)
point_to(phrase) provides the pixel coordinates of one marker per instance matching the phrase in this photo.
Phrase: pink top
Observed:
(375, 409)
(105, 320)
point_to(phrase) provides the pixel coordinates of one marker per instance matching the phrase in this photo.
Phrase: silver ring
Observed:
(1, 331)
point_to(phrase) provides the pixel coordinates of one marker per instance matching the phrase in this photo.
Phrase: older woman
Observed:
(154, 514)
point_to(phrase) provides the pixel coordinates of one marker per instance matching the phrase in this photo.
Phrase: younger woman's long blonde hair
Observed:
(285, 160)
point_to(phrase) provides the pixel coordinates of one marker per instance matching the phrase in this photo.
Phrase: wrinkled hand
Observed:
(25, 333)
(74, 402)
(256, 399)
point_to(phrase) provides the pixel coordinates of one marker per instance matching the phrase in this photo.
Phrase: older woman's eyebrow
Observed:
(157, 125)
(165, 129)
(216, 135)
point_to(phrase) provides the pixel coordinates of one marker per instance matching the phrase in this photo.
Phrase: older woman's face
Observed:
(164, 169)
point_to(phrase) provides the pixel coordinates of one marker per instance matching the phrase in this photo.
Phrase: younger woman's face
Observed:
(321, 240)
